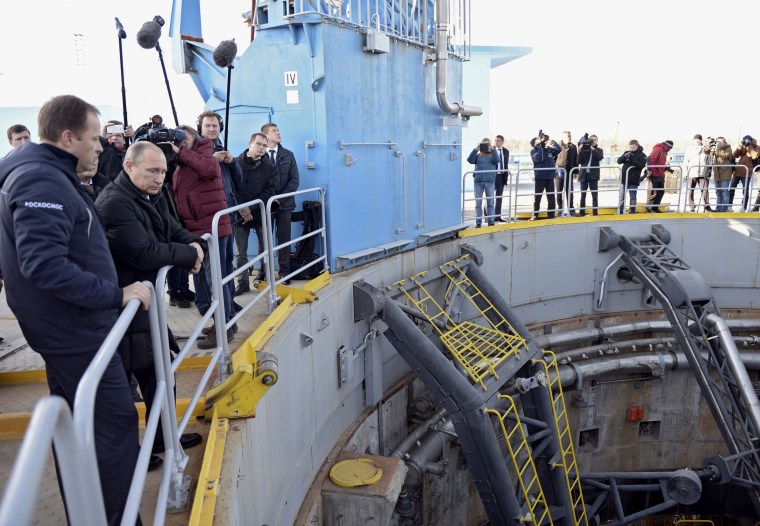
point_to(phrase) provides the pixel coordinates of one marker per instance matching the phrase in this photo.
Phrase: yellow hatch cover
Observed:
(356, 472)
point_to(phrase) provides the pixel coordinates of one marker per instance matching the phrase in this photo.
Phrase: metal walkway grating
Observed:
(480, 350)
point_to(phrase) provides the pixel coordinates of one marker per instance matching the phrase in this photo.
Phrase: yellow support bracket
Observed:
(253, 371)
(252, 375)
(204, 503)
(305, 294)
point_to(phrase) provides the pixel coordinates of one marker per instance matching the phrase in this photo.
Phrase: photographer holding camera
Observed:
(633, 161)
(721, 155)
(199, 195)
(486, 164)
(695, 156)
(747, 157)
(543, 154)
(567, 160)
(588, 160)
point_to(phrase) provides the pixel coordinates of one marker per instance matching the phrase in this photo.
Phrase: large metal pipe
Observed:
(738, 370)
(637, 363)
(598, 350)
(597, 333)
(416, 435)
(426, 451)
(465, 405)
(441, 64)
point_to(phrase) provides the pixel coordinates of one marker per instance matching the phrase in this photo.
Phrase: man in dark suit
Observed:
(502, 175)
(143, 237)
(287, 181)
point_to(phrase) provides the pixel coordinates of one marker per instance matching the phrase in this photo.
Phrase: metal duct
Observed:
(441, 61)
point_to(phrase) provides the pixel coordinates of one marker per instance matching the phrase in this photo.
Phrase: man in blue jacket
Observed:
(543, 154)
(61, 282)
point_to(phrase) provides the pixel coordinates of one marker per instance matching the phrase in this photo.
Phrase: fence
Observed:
(517, 198)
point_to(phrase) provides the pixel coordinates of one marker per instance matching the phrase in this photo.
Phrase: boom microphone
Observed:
(120, 28)
(225, 52)
(149, 34)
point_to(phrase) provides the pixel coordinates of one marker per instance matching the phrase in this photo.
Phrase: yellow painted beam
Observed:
(204, 503)
(13, 425)
(23, 377)
(36, 376)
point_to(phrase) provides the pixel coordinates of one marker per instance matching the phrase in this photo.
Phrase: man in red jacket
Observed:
(199, 194)
(658, 161)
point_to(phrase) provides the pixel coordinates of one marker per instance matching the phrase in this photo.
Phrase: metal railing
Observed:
(533, 194)
(411, 21)
(514, 202)
(506, 199)
(74, 439)
(272, 250)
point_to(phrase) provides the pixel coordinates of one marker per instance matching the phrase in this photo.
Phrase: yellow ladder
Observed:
(522, 461)
(564, 438)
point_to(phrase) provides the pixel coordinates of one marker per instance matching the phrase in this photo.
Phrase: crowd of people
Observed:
(554, 164)
(86, 218)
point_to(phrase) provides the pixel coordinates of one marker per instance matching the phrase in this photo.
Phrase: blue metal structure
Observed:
(360, 91)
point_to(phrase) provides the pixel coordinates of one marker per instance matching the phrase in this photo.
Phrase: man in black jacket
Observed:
(633, 161)
(259, 177)
(143, 237)
(61, 282)
(287, 182)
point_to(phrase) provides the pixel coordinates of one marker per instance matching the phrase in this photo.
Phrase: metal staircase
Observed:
(688, 303)
(482, 346)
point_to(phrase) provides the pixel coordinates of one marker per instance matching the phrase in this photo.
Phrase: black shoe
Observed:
(187, 441)
(242, 288)
(154, 463)
(186, 294)
(498, 220)
(261, 276)
(477, 226)
(175, 300)
(287, 281)
(236, 307)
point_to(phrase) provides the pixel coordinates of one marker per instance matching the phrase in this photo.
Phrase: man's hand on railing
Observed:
(136, 291)
(246, 214)
(199, 259)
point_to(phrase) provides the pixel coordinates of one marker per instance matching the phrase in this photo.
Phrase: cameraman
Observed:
(657, 166)
(486, 164)
(633, 161)
(199, 195)
(747, 157)
(543, 154)
(567, 159)
(588, 161)
(721, 156)
(695, 157)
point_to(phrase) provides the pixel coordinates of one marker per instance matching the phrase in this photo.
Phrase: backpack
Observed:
(305, 254)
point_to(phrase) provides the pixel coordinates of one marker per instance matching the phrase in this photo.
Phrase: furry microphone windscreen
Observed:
(224, 54)
(149, 34)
